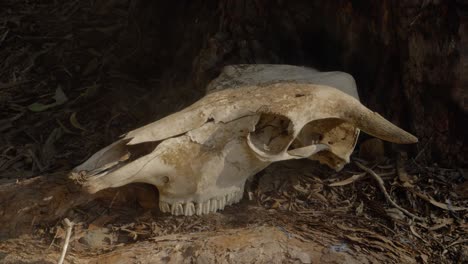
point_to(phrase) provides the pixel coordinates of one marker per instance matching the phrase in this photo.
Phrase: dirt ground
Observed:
(65, 92)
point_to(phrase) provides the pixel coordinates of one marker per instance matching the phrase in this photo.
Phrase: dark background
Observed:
(122, 64)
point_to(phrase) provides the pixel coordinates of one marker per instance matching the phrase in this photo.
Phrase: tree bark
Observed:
(409, 57)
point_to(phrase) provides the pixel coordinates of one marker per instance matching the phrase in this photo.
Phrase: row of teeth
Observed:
(210, 206)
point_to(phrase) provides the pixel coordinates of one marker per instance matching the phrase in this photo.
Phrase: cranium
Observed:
(199, 158)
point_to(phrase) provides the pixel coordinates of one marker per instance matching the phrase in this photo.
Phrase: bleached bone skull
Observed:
(199, 158)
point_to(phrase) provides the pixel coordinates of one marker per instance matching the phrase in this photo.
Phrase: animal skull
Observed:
(253, 115)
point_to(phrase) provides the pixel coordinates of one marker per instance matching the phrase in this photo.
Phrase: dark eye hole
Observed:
(271, 133)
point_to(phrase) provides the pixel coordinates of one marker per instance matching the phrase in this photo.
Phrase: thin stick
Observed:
(69, 226)
(387, 196)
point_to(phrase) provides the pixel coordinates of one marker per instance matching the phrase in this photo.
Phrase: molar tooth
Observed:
(221, 203)
(206, 207)
(173, 208)
(199, 208)
(228, 199)
(180, 209)
(165, 208)
(213, 205)
(189, 209)
(177, 209)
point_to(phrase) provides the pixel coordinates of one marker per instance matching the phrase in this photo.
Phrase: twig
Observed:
(459, 241)
(113, 200)
(69, 226)
(55, 236)
(387, 196)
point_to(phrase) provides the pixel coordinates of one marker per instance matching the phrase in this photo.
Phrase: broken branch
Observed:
(69, 224)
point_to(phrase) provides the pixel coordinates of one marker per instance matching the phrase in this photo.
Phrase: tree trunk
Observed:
(408, 57)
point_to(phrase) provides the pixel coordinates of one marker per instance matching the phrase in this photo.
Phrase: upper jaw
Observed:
(200, 207)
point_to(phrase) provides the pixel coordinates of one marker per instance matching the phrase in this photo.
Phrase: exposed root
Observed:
(387, 196)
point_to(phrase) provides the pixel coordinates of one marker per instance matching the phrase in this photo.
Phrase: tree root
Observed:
(387, 196)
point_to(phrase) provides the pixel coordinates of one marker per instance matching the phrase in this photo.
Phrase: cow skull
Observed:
(253, 115)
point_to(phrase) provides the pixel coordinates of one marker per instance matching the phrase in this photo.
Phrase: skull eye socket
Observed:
(317, 131)
(272, 133)
(336, 133)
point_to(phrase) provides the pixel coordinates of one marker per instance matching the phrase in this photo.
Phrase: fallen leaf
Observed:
(91, 91)
(59, 97)
(347, 181)
(443, 222)
(424, 258)
(300, 189)
(395, 213)
(37, 107)
(439, 204)
(75, 122)
(318, 196)
(65, 129)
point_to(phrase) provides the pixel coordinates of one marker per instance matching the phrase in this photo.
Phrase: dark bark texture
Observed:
(410, 58)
